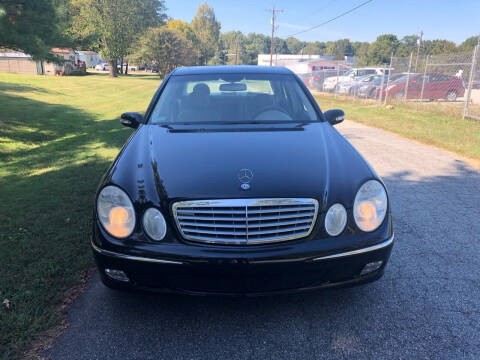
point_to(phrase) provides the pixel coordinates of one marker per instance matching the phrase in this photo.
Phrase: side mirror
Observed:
(131, 119)
(334, 116)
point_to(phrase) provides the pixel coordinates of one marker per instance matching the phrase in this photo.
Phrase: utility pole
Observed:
(274, 11)
(419, 45)
(236, 51)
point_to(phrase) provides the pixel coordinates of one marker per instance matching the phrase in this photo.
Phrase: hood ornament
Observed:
(245, 176)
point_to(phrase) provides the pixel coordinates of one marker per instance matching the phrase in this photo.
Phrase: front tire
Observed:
(451, 96)
(398, 96)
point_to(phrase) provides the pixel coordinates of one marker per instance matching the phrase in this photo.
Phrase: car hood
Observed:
(165, 164)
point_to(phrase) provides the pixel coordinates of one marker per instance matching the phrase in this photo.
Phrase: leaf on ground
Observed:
(6, 302)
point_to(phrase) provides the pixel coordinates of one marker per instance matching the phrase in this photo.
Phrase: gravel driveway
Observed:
(426, 306)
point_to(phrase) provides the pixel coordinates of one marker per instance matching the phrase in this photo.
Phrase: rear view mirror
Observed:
(334, 116)
(131, 119)
(233, 87)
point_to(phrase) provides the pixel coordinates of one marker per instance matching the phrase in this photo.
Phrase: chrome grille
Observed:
(245, 221)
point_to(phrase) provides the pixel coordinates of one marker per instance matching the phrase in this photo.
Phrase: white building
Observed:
(279, 59)
(19, 63)
(90, 58)
(304, 64)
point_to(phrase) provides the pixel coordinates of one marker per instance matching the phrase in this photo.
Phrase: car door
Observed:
(439, 86)
(424, 81)
(415, 87)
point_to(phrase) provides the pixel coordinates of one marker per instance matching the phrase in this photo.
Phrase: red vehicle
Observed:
(437, 86)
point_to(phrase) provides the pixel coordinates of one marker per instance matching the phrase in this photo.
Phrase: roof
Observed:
(61, 50)
(87, 52)
(234, 69)
(15, 54)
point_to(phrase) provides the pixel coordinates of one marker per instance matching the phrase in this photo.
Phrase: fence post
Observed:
(323, 81)
(388, 80)
(408, 77)
(336, 84)
(466, 109)
(424, 77)
(379, 101)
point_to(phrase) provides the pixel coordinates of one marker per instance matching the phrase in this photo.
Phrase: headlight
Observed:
(370, 206)
(335, 220)
(115, 211)
(154, 224)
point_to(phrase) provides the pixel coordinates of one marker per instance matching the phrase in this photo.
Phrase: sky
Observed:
(439, 19)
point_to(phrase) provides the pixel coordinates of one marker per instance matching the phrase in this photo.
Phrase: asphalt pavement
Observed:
(427, 305)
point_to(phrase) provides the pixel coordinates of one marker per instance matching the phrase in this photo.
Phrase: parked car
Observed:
(435, 86)
(102, 67)
(151, 67)
(366, 89)
(306, 78)
(316, 80)
(350, 87)
(130, 67)
(371, 88)
(330, 84)
(235, 182)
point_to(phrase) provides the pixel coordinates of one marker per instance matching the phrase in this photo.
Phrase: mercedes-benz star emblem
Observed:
(245, 176)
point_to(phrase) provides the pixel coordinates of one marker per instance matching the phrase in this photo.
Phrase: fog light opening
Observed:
(118, 275)
(371, 267)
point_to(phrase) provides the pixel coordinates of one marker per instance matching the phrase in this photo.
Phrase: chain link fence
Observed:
(446, 83)
(472, 100)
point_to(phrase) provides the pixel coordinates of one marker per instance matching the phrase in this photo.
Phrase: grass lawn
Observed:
(447, 132)
(57, 137)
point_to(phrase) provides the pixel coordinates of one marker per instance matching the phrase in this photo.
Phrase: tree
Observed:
(469, 44)
(31, 27)
(360, 49)
(66, 13)
(279, 46)
(381, 49)
(234, 43)
(315, 48)
(116, 24)
(166, 48)
(207, 31)
(186, 30)
(255, 44)
(408, 44)
(435, 47)
(294, 45)
(220, 58)
(343, 47)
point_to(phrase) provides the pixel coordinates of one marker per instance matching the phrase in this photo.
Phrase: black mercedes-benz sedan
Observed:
(235, 182)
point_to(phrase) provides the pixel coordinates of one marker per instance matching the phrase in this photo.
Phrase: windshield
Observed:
(232, 98)
(402, 78)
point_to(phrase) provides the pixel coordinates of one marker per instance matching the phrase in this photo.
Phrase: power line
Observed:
(321, 10)
(332, 19)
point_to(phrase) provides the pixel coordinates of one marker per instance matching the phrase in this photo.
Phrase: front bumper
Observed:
(231, 274)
